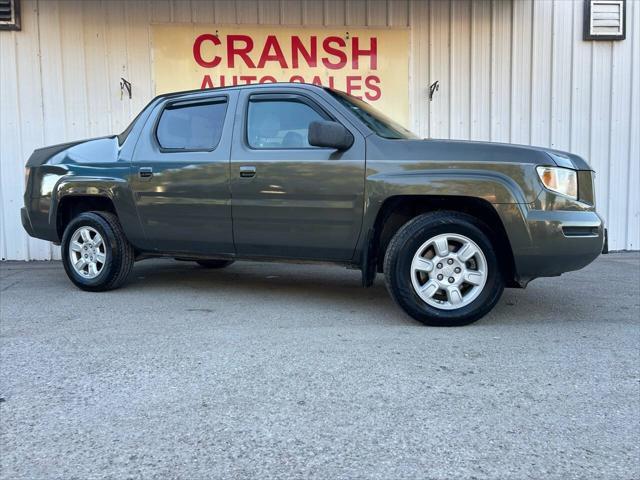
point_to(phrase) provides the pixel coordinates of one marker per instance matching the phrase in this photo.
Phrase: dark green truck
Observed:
(300, 172)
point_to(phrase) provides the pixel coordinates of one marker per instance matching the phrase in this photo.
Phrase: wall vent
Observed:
(604, 19)
(9, 14)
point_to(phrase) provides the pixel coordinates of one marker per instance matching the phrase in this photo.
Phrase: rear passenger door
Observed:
(289, 199)
(180, 175)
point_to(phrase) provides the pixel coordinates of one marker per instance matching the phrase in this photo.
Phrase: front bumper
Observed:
(560, 241)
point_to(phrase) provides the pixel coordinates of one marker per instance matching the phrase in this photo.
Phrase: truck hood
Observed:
(462, 150)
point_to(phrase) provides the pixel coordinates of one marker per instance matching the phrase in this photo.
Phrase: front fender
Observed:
(509, 194)
(494, 187)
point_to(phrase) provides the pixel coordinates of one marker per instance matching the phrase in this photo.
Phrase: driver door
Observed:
(290, 199)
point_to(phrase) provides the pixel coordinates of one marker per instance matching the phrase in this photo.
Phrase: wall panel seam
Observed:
(609, 139)
(634, 91)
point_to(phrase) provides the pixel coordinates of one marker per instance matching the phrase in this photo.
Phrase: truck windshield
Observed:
(375, 120)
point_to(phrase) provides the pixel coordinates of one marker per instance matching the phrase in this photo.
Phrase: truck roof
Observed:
(310, 86)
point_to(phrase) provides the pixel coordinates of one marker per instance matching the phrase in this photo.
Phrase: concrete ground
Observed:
(289, 371)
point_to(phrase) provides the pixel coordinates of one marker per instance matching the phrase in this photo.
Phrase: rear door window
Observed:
(192, 127)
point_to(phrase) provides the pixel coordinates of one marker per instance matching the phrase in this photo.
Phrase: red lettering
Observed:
(197, 50)
(247, 79)
(223, 80)
(373, 83)
(267, 79)
(372, 53)
(350, 84)
(277, 56)
(297, 47)
(342, 57)
(316, 80)
(206, 82)
(297, 78)
(242, 52)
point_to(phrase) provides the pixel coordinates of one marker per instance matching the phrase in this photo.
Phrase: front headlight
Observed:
(560, 180)
(27, 171)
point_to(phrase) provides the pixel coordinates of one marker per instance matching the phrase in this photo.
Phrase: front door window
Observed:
(279, 124)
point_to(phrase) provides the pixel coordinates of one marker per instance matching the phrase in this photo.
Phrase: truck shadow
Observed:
(328, 288)
(316, 287)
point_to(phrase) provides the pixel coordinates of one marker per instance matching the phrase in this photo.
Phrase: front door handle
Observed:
(247, 171)
(145, 173)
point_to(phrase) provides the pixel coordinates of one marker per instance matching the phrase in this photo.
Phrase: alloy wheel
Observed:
(449, 271)
(87, 252)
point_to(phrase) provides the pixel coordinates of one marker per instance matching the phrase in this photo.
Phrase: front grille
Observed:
(586, 191)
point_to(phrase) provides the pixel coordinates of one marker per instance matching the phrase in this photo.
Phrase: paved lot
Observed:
(290, 371)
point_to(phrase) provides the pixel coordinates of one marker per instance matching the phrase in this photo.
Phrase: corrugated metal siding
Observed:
(509, 71)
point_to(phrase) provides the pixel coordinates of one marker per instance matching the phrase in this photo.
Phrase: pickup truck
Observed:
(293, 172)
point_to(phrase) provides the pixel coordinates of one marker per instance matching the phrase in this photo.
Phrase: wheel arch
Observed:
(397, 210)
(70, 206)
(75, 195)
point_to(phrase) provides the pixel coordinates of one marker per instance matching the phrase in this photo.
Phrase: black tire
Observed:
(120, 255)
(405, 243)
(212, 263)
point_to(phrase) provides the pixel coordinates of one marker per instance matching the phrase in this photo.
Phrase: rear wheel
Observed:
(212, 263)
(95, 252)
(442, 269)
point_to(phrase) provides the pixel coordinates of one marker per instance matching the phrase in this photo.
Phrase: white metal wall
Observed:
(509, 71)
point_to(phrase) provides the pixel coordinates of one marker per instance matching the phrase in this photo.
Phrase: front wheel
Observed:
(442, 269)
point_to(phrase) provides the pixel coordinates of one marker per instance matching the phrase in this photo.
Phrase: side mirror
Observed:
(329, 134)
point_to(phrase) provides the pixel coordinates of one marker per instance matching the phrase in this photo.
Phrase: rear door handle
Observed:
(247, 171)
(145, 173)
